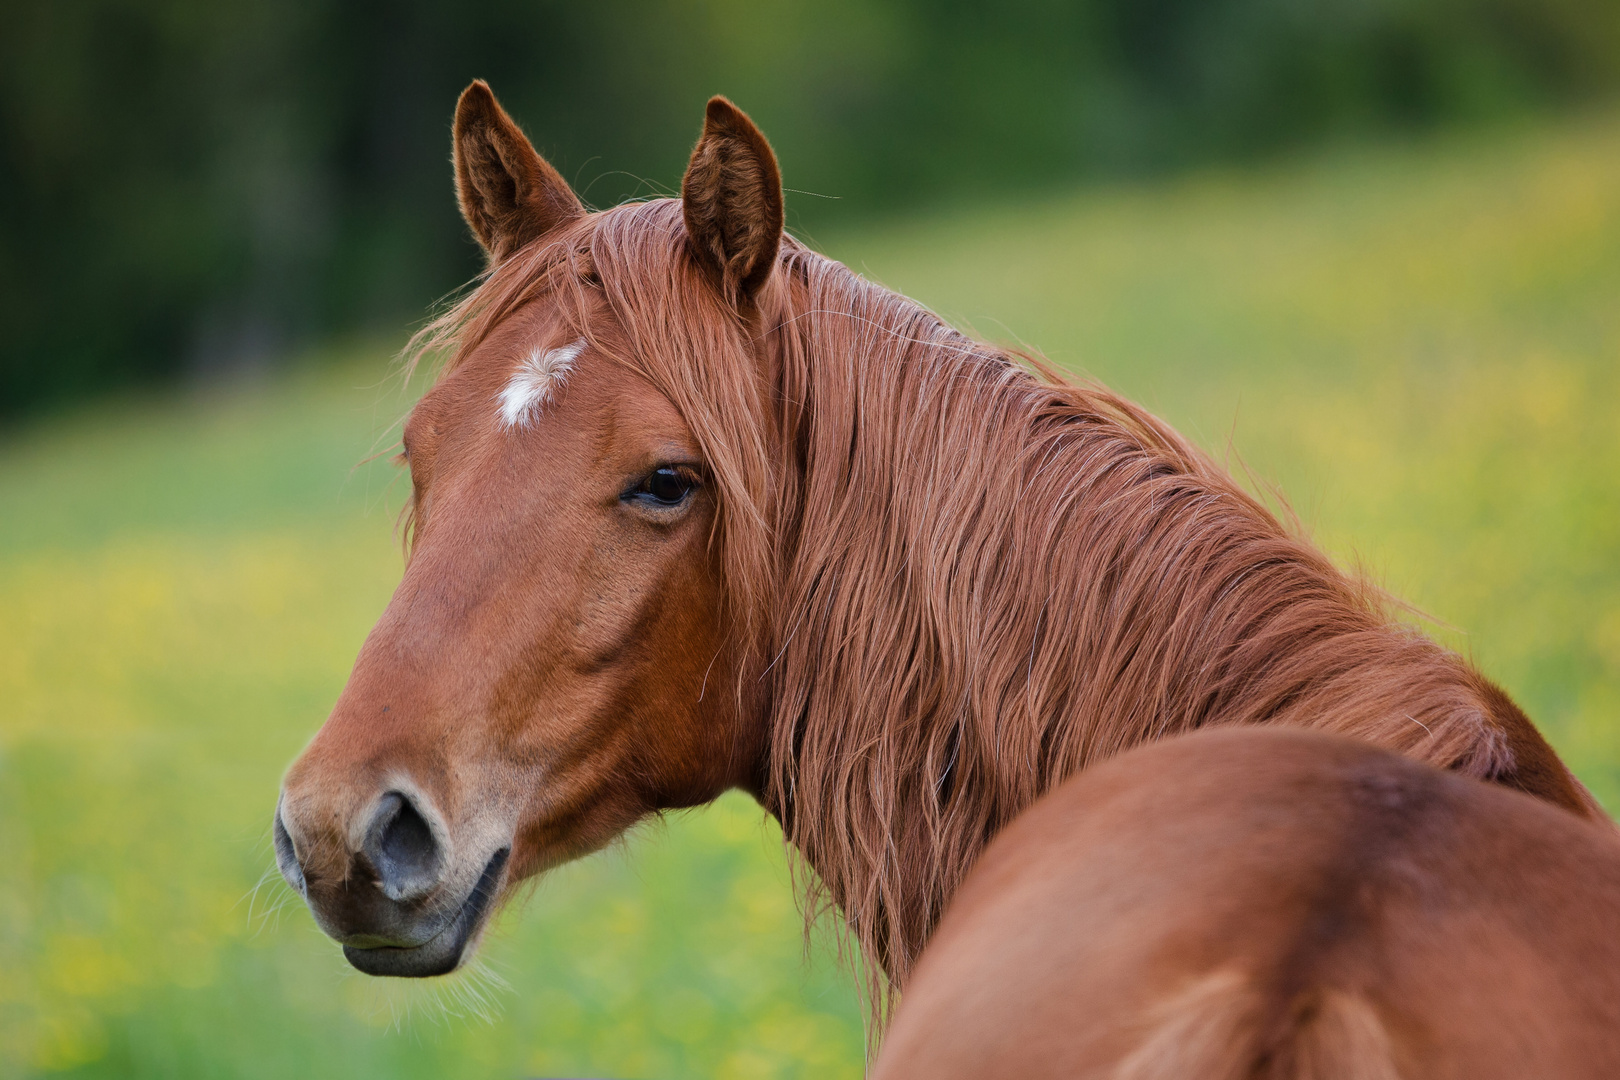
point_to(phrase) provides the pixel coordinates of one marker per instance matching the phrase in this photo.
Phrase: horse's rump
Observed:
(1276, 905)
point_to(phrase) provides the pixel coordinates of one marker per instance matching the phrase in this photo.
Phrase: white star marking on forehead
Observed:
(529, 388)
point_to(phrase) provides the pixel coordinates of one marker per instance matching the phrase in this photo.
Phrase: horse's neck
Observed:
(994, 583)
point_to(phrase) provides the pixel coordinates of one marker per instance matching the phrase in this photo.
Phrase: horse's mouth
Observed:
(442, 953)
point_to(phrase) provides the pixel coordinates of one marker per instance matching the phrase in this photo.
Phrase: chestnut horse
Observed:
(1266, 903)
(695, 508)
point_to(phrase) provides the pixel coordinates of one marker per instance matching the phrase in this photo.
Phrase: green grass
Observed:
(1421, 344)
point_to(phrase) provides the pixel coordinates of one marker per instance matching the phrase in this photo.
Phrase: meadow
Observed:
(1419, 344)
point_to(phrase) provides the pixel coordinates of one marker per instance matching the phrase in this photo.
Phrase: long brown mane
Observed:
(959, 580)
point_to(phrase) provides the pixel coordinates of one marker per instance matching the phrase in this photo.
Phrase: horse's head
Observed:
(555, 663)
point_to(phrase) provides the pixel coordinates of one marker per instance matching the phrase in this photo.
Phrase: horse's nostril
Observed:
(401, 848)
(286, 855)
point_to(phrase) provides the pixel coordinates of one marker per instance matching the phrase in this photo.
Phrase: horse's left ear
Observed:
(732, 199)
(509, 194)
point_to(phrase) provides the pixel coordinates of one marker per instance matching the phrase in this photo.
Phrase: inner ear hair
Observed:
(731, 197)
(509, 194)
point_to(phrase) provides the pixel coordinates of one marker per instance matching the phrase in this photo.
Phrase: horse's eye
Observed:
(666, 486)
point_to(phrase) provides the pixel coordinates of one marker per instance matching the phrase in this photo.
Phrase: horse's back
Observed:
(1254, 902)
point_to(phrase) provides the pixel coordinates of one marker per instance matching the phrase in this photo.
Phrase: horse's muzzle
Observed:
(440, 954)
(393, 905)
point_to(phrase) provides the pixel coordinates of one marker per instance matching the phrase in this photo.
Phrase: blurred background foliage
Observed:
(198, 186)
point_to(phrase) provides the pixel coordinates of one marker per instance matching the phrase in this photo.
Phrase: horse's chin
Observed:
(446, 950)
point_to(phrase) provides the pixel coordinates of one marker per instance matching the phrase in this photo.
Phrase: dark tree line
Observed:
(187, 184)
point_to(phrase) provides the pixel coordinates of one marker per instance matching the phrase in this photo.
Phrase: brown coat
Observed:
(1273, 904)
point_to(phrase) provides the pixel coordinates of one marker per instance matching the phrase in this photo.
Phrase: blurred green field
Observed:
(1421, 344)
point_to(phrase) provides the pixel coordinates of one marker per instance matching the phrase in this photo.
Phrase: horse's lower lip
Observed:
(442, 953)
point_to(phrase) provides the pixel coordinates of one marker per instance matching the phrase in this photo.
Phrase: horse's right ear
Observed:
(509, 194)
(731, 197)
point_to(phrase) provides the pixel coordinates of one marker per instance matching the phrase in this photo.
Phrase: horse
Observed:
(694, 508)
(1273, 903)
